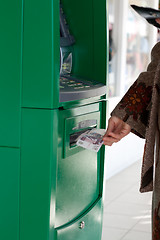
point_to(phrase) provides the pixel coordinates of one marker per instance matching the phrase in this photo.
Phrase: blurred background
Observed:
(127, 212)
(131, 39)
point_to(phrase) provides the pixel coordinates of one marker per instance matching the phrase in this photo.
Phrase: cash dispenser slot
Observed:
(74, 136)
(74, 127)
(81, 128)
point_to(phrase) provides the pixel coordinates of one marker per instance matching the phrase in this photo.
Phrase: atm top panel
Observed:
(44, 33)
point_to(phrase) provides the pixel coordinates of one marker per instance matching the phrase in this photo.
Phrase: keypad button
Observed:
(71, 85)
(71, 81)
(78, 87)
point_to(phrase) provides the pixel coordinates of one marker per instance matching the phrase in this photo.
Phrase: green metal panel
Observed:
(104, 109)
(87, 22)
(38, 173)
(92, 229)
(10, 71)
(41, 54)
(82, 102)
(77, 185)
(59, 185)
(100, 69)
(72, 189)
(79, 173)
(9, 192)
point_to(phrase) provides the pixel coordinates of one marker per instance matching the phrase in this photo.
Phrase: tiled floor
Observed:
(127, 212)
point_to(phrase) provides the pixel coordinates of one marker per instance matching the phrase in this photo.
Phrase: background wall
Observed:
(131, 40)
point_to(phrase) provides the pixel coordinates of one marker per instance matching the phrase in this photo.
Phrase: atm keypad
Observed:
(74, 84)
(72, 88)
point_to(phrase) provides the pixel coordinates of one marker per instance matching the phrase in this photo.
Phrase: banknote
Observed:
(91, 139)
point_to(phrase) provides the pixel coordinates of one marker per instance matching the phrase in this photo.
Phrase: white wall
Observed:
(130, 149)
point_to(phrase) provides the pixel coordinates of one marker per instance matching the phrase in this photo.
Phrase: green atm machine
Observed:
(52, 88)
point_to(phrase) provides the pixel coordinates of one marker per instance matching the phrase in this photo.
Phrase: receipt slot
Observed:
(53, 88)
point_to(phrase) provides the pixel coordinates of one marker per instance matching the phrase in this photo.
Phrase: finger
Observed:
(117, 136)
(108, 143)
(109, 140)
(157, 20)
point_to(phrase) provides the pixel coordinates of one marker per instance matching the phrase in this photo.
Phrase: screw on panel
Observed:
(82, 225)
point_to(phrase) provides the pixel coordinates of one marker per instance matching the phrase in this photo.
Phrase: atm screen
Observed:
(66, 39)
(71, 87)
(61, 35)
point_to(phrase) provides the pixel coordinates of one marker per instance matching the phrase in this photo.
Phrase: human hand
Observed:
(157, 20)
(117, 129)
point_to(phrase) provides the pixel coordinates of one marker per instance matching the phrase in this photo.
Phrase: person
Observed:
(139, 112)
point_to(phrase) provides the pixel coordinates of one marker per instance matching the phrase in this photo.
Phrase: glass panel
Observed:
(138, 49)
(138, 34)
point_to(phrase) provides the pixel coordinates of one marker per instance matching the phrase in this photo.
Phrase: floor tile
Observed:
(135, 235)
(139, 198)
(135, 188)
(130, 209)
(113, 191)
(125, 178)
(113, 233)
(144, 225)
(127, 212)
(119, 221)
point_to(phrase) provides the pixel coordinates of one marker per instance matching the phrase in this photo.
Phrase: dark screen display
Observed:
(66, 39)
(61, 35)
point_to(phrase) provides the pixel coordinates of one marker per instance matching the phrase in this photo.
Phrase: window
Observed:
(131, 40)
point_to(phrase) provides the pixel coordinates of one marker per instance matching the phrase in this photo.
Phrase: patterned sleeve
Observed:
(134, 107)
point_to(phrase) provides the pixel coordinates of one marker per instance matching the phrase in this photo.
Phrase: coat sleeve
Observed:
(134, 107)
